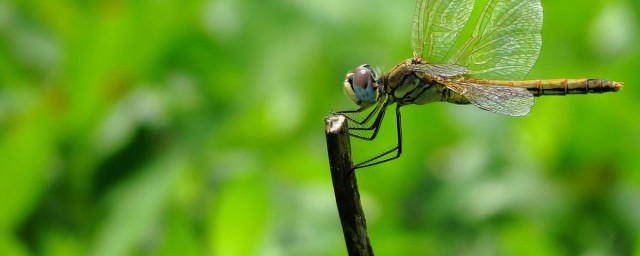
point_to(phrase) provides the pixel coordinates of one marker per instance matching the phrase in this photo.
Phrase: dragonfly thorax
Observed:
(362, 86)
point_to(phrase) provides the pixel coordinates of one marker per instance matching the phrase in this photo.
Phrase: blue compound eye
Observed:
(362, 85)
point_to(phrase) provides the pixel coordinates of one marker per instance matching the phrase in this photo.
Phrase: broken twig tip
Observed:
(335, 124)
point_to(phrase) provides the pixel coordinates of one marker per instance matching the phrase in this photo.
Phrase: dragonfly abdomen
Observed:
(570, 86)
(560, 86)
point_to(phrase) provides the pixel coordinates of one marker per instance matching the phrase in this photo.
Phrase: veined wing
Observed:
(506, 40)
(443, 70)
(436, 25)
(506, 100)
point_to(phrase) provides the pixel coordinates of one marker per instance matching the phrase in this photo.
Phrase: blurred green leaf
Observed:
(195, 127)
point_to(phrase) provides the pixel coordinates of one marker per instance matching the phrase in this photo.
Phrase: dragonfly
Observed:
(485, 70)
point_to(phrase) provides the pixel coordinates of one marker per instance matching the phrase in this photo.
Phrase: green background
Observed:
(196, 128)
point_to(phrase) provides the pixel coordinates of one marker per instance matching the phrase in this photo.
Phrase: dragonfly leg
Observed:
(346, 113)
(375, 126)
(384, 156)
(359, 110)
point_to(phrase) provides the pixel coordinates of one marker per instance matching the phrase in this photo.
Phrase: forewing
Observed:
(443, 70)
(436, 25)
(506, 40)
(506, 100)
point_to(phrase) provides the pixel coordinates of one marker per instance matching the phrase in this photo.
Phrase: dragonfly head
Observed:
(362, 86)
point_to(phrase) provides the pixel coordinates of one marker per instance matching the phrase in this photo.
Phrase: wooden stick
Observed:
(354, 225)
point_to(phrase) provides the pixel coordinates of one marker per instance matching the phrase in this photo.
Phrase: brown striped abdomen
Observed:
(559, 86)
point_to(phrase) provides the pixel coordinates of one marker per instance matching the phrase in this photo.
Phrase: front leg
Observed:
(346, 113)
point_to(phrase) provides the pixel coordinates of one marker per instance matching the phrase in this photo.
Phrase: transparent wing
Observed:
(506, 100)
(506, 40)
(436, 25)
(443, 70)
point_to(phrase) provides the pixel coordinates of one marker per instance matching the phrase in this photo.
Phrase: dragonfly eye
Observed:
(361, 86)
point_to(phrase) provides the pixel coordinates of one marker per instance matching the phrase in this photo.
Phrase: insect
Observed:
(504, 44)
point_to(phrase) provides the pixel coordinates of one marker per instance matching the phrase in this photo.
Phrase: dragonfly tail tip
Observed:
(617, 86)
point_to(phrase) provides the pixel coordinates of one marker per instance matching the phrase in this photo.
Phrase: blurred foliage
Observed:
(195, 128)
